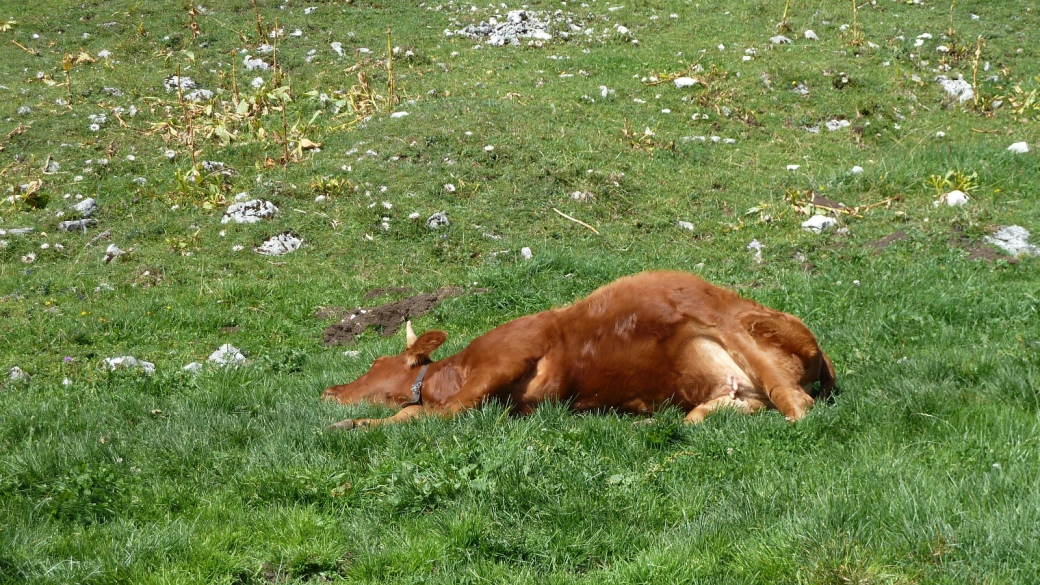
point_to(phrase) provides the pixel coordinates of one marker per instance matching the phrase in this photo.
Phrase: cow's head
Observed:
(389, 380)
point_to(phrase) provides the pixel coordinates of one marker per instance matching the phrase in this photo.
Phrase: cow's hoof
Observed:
(343, 425)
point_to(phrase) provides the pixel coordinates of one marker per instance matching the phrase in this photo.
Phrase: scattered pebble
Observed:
(956, 198)
(810, 35)
(249, 211)
(193, 367)
(16, 374)
(227, 355)
(757, 247)
(793, 167)
(172, 81)
(280, 244)
(1014, 240)
(256, 64)
(681, 82)
(112, 252)
(128, 362)
(780, 40)
(856, 170)
(76, 225)
(685, 225)
(1019, 148)
(398, 114)
(437, 220)
(958, 88)
(835, 125)
(819, 223)
(86, 208)
(526, 253)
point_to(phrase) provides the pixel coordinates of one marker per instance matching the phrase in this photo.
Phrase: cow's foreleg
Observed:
(745, 405)
(406, 413)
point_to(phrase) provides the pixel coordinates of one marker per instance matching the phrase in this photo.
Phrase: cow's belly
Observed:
(641, 377)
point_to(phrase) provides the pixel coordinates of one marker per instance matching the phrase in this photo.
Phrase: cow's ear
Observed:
(418, 353)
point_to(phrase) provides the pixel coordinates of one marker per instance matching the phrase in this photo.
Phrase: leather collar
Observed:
(417, 388)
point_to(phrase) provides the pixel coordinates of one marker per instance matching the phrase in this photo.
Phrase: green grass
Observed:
(923, 469)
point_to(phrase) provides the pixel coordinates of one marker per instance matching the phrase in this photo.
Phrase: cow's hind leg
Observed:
(746, 405)
(406, 413)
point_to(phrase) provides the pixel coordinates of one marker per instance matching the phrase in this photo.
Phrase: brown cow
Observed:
(634, 345)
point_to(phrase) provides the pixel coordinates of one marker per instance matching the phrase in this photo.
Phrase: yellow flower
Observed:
(83, 314)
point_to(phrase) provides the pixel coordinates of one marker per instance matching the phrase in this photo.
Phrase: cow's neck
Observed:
(443, 380)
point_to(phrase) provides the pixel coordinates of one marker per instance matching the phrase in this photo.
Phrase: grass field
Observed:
(925, 467)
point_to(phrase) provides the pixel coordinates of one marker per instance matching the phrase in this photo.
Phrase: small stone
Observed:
(86, 208)
(112, 252)
(856, 170)
(17, 374)
(526, 253)
(956, 198)
(685, 225)
(227, 355)
(1019, 148)
(1014, 240)
(279, 245)
(76, 225)
(193, 368)
(780, 40)
(793, 167)
(398, 114)
(810, 35)
(437, 220)
(819, 223)
(129, 362)
(249, 211)
(681, 82)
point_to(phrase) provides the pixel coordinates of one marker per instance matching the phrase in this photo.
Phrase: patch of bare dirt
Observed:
(821, 201)
(976, 250)
(892, 238)
(386, 317)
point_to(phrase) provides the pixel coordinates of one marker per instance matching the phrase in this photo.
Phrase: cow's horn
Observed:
(409, 333)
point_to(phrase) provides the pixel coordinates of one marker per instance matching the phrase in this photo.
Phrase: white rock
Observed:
(622, 30)
(252, 64)
(199, 95)
(1014, 240)
(686, 225)
(835, 125)
(86, 208)
(352, 353)
(257, 82)
(227, 355)
(793, 167)
(856, 170)
(279, 245)
(66, 382)
(249, 211)
(1019, 148)
(398, 114)
(185, 83)
(128, 362)
(780, 40)
(955, 198)
(16, 373)
(193, 367)
(810, 35)
(682, 82)
(112, 252)
(76, 225)
(541, 35)
(757, 247)
(338, 47)
(819, 223)
(958, 88)
(437, 220)
(526, 253)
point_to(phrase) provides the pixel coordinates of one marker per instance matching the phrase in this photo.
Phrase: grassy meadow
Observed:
(924, 468)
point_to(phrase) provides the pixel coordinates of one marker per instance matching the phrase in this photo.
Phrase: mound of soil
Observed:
(975, 250)
(387, 317)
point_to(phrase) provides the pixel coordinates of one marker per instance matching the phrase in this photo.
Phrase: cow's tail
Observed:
(827, 376)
